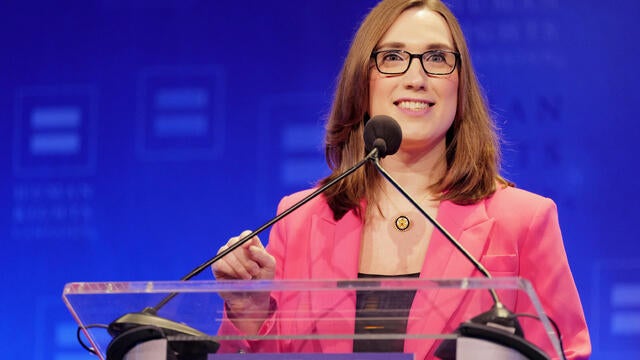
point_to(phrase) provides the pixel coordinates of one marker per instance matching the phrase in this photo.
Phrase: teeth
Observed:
(413, 105)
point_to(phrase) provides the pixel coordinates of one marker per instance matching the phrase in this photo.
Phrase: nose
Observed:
(415, 77)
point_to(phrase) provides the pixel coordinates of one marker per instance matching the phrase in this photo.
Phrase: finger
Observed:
(222, 268)
(262, 257)
(240, 264)
(233, 265)
(225, 270)
(232, 270)
(253, 241)
(242, 235)
(261, 260)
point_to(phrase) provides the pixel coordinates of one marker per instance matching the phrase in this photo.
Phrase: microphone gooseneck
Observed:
(371, 155)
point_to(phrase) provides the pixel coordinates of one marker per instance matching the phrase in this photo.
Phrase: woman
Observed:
(409, 60)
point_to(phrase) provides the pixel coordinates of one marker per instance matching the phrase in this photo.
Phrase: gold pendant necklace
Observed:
(402, 223)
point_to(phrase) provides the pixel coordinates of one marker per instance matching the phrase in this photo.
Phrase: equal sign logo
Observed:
(615, 316)
(303, 162)
(625, 303)
(55, 132)
(290, 145)
(180, 113)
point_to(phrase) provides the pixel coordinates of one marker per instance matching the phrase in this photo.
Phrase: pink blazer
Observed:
(512, 233)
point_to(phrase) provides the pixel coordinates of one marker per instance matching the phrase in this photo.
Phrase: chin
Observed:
(421, 144)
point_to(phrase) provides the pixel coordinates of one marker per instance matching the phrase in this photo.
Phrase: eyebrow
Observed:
(400, 45)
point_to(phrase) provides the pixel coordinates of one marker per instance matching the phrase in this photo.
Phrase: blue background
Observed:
(137, 136)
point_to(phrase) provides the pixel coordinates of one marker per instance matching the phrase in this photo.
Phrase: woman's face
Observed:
(424, 105)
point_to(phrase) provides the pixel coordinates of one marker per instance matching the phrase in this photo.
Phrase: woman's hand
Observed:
(247, 310)
(249, 261)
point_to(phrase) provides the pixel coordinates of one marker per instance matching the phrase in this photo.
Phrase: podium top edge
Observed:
(213, 286)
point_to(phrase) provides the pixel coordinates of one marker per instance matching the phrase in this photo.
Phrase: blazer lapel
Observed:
(335, 248)
(432, 311)
(334, 253)
(470, 225)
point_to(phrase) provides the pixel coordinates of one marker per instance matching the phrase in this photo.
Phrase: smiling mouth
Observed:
(413, 105)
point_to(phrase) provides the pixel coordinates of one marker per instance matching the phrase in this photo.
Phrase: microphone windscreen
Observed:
(384, 133)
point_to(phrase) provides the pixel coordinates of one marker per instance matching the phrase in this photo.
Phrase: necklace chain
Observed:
(402, 222)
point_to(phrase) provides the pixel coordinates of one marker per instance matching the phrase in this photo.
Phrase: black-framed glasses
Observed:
(434, 62)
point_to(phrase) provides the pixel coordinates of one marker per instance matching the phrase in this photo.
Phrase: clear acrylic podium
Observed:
(311, 316)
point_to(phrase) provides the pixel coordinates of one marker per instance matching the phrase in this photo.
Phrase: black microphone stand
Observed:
(480, 326)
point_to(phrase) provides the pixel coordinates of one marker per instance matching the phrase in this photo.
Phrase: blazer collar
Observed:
(470, 226)
(339, 241)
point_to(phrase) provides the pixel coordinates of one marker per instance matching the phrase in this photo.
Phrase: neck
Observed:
(415, 171)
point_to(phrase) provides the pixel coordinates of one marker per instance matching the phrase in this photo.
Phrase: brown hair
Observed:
(472, 148)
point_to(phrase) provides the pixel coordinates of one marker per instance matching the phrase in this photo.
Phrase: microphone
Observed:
(131, 329)
(383, 133)
(487, 325)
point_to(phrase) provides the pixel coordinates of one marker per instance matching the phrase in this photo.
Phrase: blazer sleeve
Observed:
(543, 261)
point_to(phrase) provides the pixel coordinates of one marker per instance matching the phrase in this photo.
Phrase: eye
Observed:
(392, 56)
(435, 57)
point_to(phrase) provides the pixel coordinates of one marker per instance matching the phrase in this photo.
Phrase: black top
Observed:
(382, 312)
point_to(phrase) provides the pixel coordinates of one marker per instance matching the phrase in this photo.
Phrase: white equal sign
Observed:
(625, 305)
(181, 112)
(55, 131)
